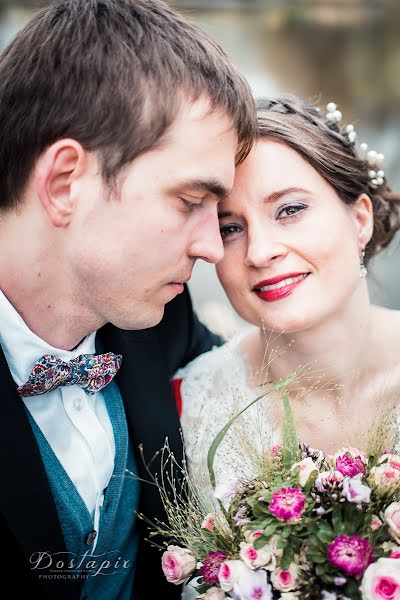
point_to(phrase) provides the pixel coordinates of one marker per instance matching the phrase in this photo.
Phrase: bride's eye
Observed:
(290, 211)
(229, 230)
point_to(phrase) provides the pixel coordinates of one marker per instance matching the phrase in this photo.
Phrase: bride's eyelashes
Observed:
(229, 230)
(286, 213)
(290, 211)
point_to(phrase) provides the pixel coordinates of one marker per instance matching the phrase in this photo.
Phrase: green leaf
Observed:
(337, 519)
(325, 536)
(286, 558)
(260, 542)
(270, 530)
(291, 452)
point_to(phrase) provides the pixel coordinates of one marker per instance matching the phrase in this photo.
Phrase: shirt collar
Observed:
(22, 348)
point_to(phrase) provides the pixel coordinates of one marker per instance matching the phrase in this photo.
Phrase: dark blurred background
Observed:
(346, 51)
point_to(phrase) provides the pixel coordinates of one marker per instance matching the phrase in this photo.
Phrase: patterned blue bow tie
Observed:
(92, 373)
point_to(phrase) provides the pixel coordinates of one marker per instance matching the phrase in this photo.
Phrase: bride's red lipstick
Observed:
(292, 281)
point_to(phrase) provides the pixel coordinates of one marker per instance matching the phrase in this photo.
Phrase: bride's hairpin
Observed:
(373, 159)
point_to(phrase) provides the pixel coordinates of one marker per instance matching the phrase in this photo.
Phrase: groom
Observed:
(120, 126)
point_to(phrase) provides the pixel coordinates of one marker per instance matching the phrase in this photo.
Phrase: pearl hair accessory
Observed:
(373, 159)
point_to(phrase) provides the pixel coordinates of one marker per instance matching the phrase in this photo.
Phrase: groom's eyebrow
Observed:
(212, 186)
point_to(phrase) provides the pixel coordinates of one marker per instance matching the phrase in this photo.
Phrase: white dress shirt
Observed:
(76, 424)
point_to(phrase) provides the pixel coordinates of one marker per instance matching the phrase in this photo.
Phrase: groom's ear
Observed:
(363, 214)
(55, 171)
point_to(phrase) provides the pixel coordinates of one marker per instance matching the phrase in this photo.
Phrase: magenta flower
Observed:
(211, 566)
(288, 504)
(352, 554)
(350, 465)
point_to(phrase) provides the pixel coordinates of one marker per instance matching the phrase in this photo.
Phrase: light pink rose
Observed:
(254, 558)
(355, 491)
(177, 564)
(286, 581)
(392, 518)
(230, 572)
(384, 476)
(381, 580)
(214, 594)
(392, 459)
(307, 466)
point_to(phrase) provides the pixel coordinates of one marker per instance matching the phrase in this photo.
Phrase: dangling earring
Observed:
(363, 268)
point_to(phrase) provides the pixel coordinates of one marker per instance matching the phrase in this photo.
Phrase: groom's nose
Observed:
(207, 243)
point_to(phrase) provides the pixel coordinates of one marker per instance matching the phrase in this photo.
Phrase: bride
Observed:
(308, 210)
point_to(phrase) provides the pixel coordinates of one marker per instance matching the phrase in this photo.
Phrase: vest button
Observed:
(91, 536)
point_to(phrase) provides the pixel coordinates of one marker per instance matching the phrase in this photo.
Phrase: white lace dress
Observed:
(215, 388)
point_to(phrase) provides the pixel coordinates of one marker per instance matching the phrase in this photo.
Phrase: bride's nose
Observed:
(263, 248)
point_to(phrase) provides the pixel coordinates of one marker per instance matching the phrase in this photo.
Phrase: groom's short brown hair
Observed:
(110, 74)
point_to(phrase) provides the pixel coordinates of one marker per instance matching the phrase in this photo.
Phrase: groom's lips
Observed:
(179, 286)
(292, 281)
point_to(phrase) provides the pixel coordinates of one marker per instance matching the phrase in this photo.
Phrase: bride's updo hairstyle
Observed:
(335, 154)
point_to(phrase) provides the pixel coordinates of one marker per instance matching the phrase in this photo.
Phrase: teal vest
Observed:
(108, 572)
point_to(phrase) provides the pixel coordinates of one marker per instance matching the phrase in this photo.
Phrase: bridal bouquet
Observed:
(310, 526)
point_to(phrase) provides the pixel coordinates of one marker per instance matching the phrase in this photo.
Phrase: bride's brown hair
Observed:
(326, 147)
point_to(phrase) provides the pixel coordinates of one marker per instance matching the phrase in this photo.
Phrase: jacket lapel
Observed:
(143, 380)
(26, 500)
(150, 407)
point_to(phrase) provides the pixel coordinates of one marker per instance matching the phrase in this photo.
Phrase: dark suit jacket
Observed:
(28, 516)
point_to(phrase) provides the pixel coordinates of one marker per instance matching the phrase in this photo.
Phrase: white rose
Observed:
(392, 518)
(230, 572)
(286, 581)
(214, 594)
(307, 466)
(254, 558)
(381, 580)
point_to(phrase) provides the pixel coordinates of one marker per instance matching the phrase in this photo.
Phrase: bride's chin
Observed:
(286, 323)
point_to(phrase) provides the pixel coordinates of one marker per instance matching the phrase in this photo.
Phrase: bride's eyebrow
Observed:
(280, 193)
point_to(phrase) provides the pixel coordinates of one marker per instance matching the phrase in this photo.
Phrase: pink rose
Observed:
(286, 581)
(208, 522)
(177, 564)
(350, 462)
(395, 553)
(230, 572)
(375, 523)
(254, 558)
(381, 580)
(355, 491)
(392, 518)
(288, 504)
(252, 536)
(329, 480)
